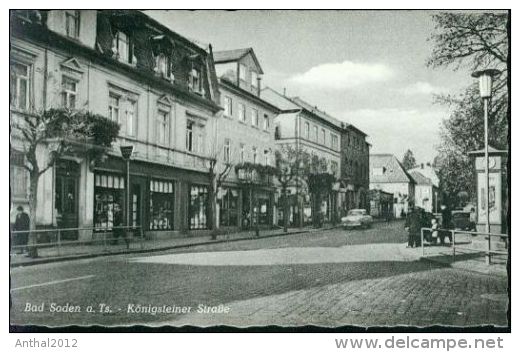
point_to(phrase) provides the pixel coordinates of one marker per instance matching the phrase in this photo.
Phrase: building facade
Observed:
(426, 193)
(304, 127)
(160, 87)
(355, 168)
(387, 174)
(245, 135)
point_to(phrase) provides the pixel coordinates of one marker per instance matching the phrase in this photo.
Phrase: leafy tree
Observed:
(408, 161)
(288, 163)
(53, 134)
(474, 41)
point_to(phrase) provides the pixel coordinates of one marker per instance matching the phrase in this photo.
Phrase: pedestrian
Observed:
(413, 225)
(473, 220)
(117, 223)
(21, 223)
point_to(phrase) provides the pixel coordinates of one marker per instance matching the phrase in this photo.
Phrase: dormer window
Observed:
(72, 18)
(195, 83)
(122, 48)
(162, 65)
(242, 72)
(254, 79)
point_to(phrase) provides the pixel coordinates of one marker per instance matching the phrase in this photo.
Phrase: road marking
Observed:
(53, 282)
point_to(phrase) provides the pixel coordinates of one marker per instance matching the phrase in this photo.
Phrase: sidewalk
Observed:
(83, 251)
(465, 260)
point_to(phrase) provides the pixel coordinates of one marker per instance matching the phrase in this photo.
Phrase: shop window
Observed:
(229, 207)
(198, 211)
(108, 199)
(263, 209)
(161, 205)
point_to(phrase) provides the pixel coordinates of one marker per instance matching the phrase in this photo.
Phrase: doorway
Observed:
(66, 197)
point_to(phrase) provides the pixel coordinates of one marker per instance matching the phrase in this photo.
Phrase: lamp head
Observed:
(485, 81)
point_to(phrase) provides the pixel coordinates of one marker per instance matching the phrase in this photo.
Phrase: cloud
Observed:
(423, 88)
(344, 75)
(393, 130)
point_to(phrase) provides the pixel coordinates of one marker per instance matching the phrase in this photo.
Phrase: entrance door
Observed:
(66, 197)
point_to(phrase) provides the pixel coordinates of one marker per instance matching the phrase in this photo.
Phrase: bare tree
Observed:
(47, 136)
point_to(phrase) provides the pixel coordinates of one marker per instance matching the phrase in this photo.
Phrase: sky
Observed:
(367, 68)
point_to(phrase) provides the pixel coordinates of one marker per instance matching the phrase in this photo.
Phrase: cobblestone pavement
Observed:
(329, 278)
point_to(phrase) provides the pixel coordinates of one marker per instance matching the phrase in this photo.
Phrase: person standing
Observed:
(413, 225)
(118, 222)
(21, 223)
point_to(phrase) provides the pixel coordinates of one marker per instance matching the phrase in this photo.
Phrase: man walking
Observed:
(22, 223)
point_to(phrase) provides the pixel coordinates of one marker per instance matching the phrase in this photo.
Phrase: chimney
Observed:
(284, 91)
(422, 165)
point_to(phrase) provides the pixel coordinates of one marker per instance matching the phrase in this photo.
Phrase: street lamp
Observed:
(485, 86)
(126, 152)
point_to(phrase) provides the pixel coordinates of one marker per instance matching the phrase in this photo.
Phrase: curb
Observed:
(450, 265)
(151, 250)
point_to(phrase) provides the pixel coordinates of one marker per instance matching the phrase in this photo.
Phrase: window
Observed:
(241, 112)
(242, 72)
(254, 79)
(161, 63)
(198, 209)
(242, 153)
(131, 117)
(334, 141)
(323, 136)
(20, 85)
(254, 117)
(195, 80)
(69, 93)
(306, 130)
(18, 175)
(255, 155)
(266, 122)
(228, 106)
(108, 195)
(189, 136)
(229, 207)
(227, 151)
(315, 136)
(163, 126)
(72, 23)
(123, 47)
(161, 205)
(113, 107)
(266, 157)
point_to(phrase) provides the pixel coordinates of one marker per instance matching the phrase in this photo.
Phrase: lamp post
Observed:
(485, 86)
(126, 152)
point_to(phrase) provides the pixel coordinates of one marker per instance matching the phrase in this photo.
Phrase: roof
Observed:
(419, 178)
(315, 111)
(393, 171)
(491, 151)
(225, 56)
(278, 99)
(428, 172)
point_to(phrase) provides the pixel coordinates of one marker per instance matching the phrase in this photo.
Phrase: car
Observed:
(356, 218)
(460, 220)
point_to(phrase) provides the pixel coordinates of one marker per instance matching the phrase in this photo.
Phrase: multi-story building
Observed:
(245, 135)
(306, 128)
(160, 87)
(355, 168)
(388, 174)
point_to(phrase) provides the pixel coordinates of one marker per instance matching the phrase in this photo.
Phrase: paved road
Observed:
(330, 278)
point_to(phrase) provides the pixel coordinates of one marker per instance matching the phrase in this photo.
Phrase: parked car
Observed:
(356, 218)
(460, 220)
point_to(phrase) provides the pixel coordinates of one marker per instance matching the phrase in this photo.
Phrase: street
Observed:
(329, 278)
